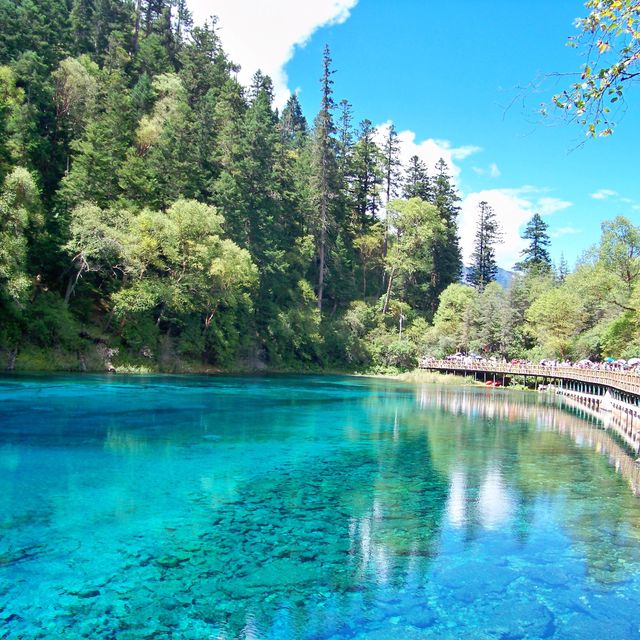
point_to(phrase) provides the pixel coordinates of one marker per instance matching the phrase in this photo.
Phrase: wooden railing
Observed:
(620, 380)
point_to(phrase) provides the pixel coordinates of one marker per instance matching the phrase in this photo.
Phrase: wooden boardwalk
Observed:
(626, 383)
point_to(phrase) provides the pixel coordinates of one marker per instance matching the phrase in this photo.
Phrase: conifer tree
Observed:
(391, 164)
(325, 170)
(83, 25)
(488, 234)
(293, 124)
(445, 196)
(536, 255)
(447, 257)
(563, 269)
(344, 143)
(367, 176)
(417, 183)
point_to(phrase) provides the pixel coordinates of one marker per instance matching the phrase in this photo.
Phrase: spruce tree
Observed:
(417, 183)
(83, 25)
(536, 255)
(344, 146)
(488, 234)
(367, 176)
(447, 258)
(325, 170)
(563, 269)
(293, 125)
(391, 166)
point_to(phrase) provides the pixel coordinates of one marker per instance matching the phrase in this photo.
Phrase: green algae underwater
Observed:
(324, 508)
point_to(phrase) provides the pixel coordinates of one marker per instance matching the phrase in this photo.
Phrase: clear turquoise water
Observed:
(309, 508)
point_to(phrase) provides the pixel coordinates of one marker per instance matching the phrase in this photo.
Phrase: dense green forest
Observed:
(157, 215)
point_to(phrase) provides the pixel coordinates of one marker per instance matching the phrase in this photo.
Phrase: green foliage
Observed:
(609, 39)
(490, 318)
(153, 203)
(178, 263)
(557, 317)
(141, 332)
(621, 337)
(620, 251)
(50, 324)
(410, 259)
(19, 218)
(452, 322)
(76, 88)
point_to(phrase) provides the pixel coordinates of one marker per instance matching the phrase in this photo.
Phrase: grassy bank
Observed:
(431, 377)
(99, 359)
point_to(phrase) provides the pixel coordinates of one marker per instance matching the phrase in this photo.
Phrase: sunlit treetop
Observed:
(610, 39)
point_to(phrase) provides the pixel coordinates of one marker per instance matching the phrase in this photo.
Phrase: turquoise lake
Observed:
(311, 508)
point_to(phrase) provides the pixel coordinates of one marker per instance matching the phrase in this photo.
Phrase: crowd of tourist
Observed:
(631, 365)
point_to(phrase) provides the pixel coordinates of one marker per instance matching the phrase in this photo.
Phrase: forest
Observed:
(155, 215)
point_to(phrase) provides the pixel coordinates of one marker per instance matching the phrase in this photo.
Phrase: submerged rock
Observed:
(171, 562)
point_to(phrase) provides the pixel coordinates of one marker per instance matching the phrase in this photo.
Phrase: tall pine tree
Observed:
(391, 173)
(416, 182)
(484, 267)
(447, 257)
(293, 125)
(367, 176)
(536, 255)
(325, 171)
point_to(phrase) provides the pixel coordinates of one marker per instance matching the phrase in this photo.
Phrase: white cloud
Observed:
(514, 208)
(263, 35)
(546, 206)
(512, 212)
(492, 170)
(602, 194)
(429, 150)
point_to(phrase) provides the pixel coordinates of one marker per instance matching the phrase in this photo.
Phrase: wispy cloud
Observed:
(603, 194)
(546, 206)
(263, 35)
(565, 231)
(429, 150)
(606, 194)
(492, 171)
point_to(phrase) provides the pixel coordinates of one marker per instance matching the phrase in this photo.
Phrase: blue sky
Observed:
(464, 80)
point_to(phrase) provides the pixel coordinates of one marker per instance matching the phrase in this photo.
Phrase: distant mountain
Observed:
(503, 277)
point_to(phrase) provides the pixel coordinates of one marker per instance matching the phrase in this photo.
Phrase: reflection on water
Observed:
(324, 508)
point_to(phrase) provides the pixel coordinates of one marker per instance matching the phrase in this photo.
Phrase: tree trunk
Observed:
(321, 272)
(386, 299)
(71, 285)
(11, 360)
(136, 29)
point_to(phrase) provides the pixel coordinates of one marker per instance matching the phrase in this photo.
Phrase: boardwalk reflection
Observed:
(586, 427)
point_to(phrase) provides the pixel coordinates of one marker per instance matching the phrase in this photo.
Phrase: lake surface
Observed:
(309, 508)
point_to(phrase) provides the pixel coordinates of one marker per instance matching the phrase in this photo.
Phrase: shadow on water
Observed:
(306, 508)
